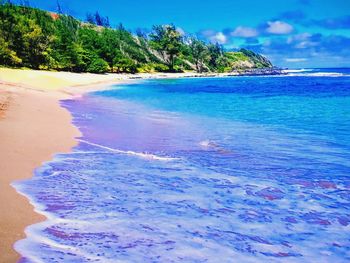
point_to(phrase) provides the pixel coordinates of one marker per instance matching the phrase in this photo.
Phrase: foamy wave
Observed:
(35, 236)
(311, 73)
(148, 156)
(320, 74)
(296, 70)
(205, 143)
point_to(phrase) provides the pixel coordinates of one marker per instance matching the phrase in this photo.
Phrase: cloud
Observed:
(181, 31)
(270, 28)
(306, 50)
(295, 60)
(342, 22)
(304, 40)
(245, 32)
(219, 37)
(214, 36)
(279, 28)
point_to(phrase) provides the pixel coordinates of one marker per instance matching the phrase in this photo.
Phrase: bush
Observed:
(8, 56)
(161, 67)
(145, 68)
(98, 66)
(126, 65)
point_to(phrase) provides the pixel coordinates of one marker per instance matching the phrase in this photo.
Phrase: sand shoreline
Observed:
(29, 102)
(29, 137)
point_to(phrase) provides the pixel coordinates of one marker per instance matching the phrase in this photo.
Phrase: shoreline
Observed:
(30, 138)
(29, 101)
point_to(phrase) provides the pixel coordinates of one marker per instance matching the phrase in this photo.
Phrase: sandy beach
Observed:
(33, 127)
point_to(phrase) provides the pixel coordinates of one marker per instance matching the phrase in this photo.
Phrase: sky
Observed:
(291, 33)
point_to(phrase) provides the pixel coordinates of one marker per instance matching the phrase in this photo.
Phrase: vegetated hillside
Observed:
(246, 59)
(38, 39)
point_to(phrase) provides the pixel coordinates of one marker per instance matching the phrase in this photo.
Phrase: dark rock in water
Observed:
(259, 71)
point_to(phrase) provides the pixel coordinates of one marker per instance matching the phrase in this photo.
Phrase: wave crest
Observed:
(147, 156)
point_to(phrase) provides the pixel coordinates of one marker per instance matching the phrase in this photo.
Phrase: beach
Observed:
(156, 133)
(33, 127)
(174, 170)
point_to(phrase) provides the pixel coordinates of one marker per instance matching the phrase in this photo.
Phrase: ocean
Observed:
(236, 169)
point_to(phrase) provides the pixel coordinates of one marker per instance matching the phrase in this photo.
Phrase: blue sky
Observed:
(292, 33)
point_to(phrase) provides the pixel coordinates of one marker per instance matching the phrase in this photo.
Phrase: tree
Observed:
(59, 9)
(7, 56)
(140, 33)
(167, 41)
(125, 65)
(98, 66)
(215, 52)
(36, 45)
(109, 45)
(39, 39)
(199, 52)
(90, 18)
(97, 19)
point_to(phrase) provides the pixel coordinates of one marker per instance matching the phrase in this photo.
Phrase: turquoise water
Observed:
(240, 169)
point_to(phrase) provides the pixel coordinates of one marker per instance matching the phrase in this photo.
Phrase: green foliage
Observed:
(124, 64)
(38, 39)
(168, 41)
(98, 65)
(199, 52)
(161, 67)
(257, 59)
(7, 56)
(236, 56)
(246, 59)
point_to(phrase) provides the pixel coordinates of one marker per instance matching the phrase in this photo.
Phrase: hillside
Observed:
(38, 39)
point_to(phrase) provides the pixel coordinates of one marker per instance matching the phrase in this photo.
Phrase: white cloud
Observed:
(219, 37)
(181, 31)
(302, 41)
(279, 28)
(298, 38)
(242, 31)
(294, 60)
(215, 36)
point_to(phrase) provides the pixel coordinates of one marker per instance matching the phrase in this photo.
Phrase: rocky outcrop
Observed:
(258, 71)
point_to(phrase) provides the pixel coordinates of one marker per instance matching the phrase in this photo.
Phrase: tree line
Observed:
(38, 39)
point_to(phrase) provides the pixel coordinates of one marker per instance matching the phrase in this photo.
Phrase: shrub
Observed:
(161, 67)
(98, 66)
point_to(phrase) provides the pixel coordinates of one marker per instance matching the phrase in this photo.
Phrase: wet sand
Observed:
(33, 127)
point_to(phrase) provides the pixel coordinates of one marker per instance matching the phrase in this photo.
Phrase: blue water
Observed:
(240, 169)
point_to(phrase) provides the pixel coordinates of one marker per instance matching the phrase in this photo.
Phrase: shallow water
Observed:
(247, 169)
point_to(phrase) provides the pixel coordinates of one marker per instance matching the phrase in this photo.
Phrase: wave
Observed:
(310, 73)
(320, 74)
(147, 156)
(296, 70)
